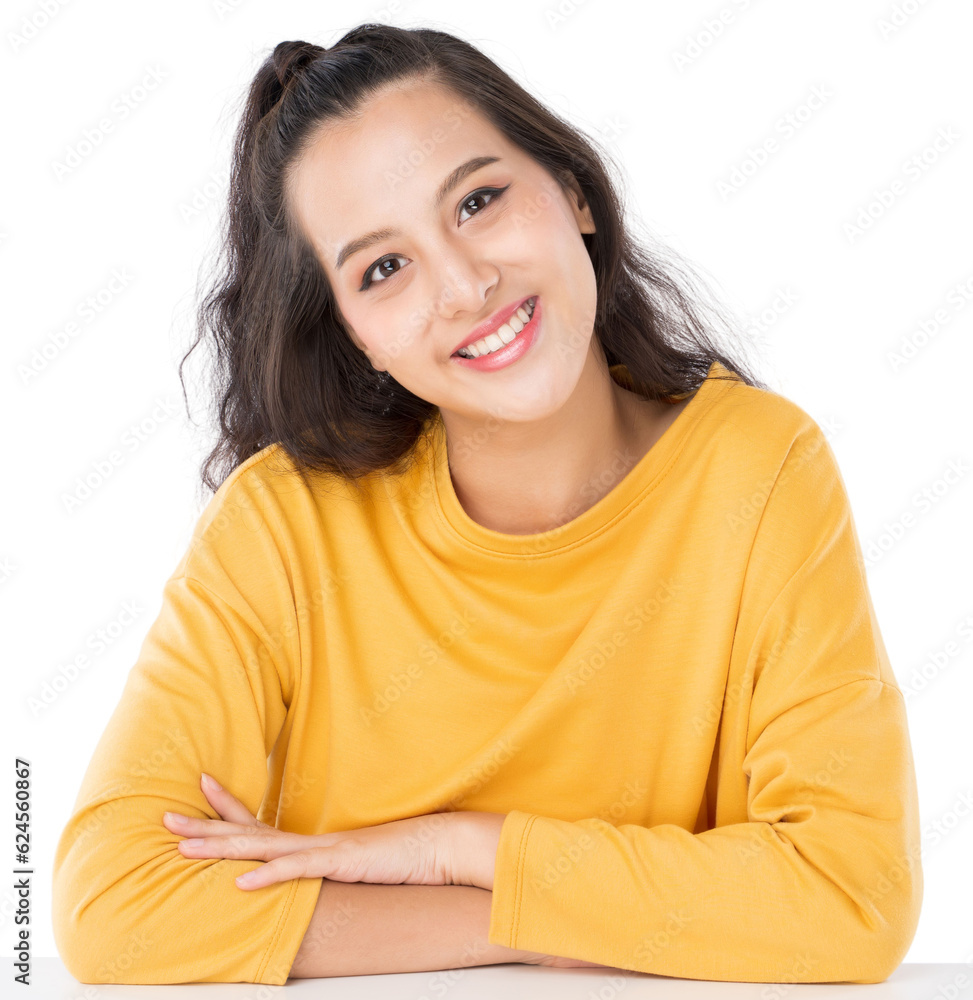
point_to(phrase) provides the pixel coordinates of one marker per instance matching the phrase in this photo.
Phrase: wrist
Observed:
(474, 838)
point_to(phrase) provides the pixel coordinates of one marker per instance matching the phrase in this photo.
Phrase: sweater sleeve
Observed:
(820, 880)
(209, 692)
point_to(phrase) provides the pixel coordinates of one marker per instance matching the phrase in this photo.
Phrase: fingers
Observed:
(282, 869)
(255, 846)
(193, 826)
(235, 817)
(227, 805)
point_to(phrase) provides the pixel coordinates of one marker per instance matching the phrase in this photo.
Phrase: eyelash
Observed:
(367, 282)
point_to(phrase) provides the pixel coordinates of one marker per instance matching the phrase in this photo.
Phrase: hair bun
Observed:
(290, 57)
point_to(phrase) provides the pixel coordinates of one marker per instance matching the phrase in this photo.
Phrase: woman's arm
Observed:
(812, 872)
(366, 928)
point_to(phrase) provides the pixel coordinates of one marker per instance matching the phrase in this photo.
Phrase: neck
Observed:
(525, 478)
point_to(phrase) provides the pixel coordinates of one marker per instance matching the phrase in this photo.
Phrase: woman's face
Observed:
(504, 232)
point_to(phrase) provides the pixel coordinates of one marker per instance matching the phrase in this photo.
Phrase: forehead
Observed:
(375, 170)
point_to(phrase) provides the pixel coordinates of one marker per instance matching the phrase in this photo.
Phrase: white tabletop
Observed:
(51, 981)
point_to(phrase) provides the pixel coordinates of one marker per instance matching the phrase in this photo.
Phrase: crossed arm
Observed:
(368, 927)
(364, 928)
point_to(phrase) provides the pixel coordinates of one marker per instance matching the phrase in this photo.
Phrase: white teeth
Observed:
(502, 337)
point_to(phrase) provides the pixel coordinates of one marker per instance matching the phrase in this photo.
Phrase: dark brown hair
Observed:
(285, 369)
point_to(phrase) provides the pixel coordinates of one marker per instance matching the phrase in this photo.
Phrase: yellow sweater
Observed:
(680, 698)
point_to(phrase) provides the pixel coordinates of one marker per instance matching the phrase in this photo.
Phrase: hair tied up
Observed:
(285, 367)
(290, 58)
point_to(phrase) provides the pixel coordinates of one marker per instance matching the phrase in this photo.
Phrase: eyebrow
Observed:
(455, 178)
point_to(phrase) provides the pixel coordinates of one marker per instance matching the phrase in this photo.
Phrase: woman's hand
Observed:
(416, 851)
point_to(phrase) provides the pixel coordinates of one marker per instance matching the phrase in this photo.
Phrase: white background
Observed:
(678, 121)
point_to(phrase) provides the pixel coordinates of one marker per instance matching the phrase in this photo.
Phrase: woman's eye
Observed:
(489, 193)
(380, 267)
(375, 269)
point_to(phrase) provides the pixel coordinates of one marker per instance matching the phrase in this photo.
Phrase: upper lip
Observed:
(492, 324)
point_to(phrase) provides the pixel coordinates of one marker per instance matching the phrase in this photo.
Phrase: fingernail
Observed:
(177, 819)
(246, 878)
(212, 783)
(195, 842)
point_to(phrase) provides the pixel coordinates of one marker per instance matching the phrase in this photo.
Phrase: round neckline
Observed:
(599, 517)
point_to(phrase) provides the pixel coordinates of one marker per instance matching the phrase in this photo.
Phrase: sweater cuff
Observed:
(508, 876)
(299, 905)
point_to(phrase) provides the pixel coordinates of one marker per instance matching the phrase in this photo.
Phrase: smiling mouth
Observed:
(502, 336)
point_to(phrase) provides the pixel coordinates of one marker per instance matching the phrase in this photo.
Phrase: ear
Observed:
(580, 207)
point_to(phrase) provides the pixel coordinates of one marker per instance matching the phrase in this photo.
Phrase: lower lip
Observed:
(507, 355)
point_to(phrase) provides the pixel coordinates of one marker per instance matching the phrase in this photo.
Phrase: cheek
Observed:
(383, 352)
(545, 223)
(355, 339)
(350, 323)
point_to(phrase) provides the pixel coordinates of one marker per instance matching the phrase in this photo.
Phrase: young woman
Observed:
(523, 625)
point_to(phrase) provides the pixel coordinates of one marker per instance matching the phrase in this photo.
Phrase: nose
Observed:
(465, 280)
